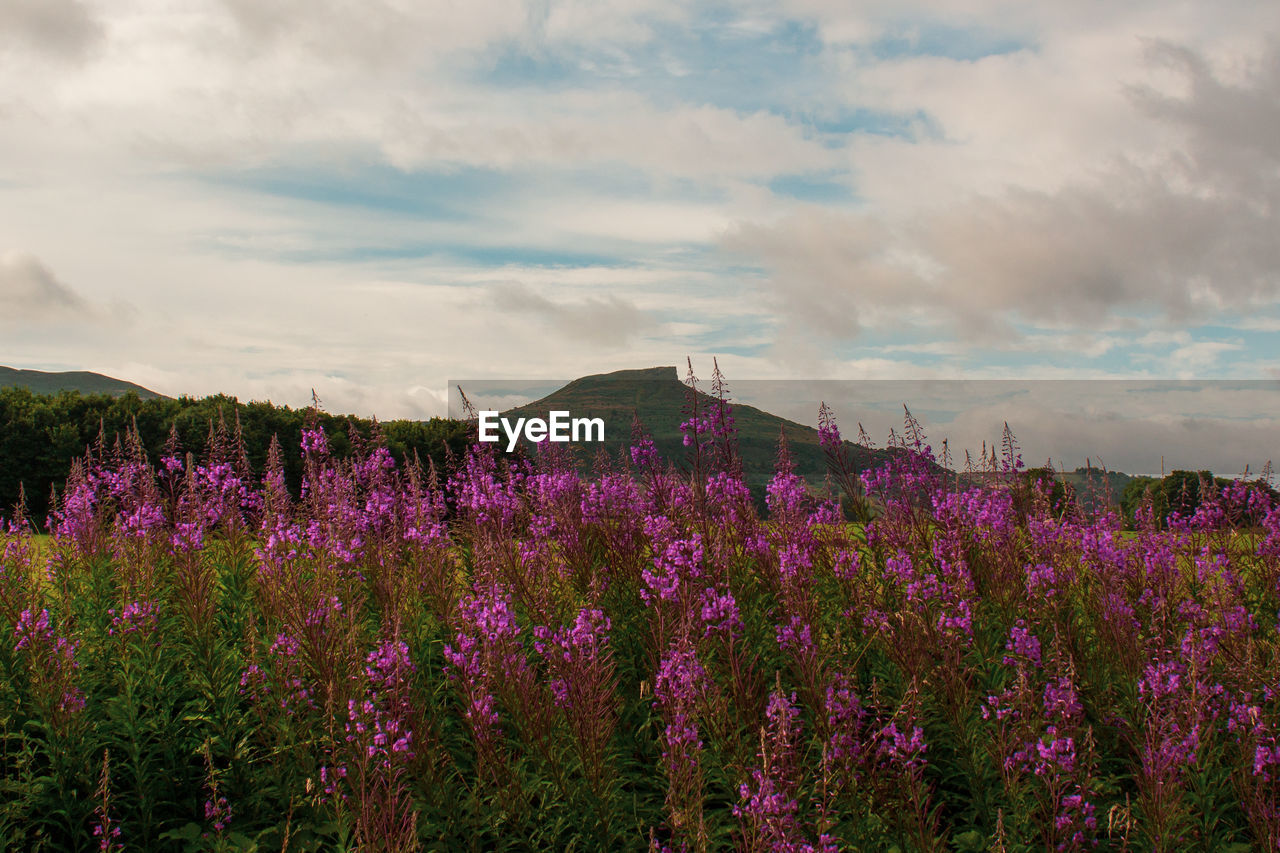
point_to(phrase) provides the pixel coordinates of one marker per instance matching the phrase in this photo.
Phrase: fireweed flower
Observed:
(142, 518)
(1265, 757)
(644, 453)
(786, 494)
(901, 747)
(958, 620)
(218, 812)
(314, 442)
(32, 629)
(1022, 646)
(573, 654)
(728, 496)
(1061, 701)
(253, 683)
(137, 617)
(845, 719)
(768, 808)
(52, 662)
(389, 671)
(285, 679)
(388, 667)
(484, 657)
(556, 506)
(720, 614)
(612, 499)
(847, 564)
(1042, 581)
(697, 431)
(679, 693)
(1053, 752)
(378, 736)
(795, 563)
(107, 838)
(677, 564)
(77, 517)
(1173, 723)
(483, 496)
(796, 638)
(582, 681)
(1076, 816)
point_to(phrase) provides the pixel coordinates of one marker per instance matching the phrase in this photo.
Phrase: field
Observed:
(512, 655)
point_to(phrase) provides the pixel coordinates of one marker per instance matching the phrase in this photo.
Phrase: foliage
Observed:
(516, 656)
(41, 434)
(1180, 494)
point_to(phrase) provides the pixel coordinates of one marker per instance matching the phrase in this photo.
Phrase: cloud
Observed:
(29, 291)
(1231, 127)
(608, 321)
(1195, 358)
(61, 29)
(324, 194)
(1187, 237)
(372, 36)
(616, 129)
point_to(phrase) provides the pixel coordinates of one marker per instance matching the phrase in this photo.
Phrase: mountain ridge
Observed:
(84, 381)
(659, 398)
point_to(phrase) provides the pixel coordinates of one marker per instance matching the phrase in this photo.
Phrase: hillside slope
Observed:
(659, 398)
(41, 382)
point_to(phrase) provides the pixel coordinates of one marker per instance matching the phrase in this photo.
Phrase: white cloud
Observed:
(56, 29)
(609, 321)
(1195, 359)
(30, 292)
(1189, 237)
(1114, 175)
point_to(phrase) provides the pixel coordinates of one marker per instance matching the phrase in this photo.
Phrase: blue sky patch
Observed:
(963, 44)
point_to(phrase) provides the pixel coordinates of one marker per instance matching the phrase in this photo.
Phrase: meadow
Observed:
(510, 653)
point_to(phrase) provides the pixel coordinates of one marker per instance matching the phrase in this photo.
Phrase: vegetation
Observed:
(41, 382)
(40, 435)
(632, 660)
(660, 399)
(1179, 495)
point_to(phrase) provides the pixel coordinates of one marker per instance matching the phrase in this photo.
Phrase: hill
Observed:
(40, 382)
(1088, 481)
(659, 398)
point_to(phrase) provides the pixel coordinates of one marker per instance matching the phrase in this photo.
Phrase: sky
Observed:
(368, 198)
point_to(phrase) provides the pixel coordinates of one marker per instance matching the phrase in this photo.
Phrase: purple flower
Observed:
(137, 617)
(1061, 701)
(678, 691)
(796, 637)
(573, 654)
(218, 811)
(314, 442)
(1022, 646)
(52, 660)
(32, 628)
(899, 746)
(388, 666)
(769, 806)
(720, 613)
(845, 718)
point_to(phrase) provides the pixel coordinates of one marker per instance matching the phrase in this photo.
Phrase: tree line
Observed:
(41, 434)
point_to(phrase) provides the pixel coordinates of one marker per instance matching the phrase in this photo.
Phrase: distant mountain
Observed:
(659, 398)
(40, 382)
